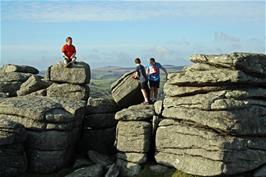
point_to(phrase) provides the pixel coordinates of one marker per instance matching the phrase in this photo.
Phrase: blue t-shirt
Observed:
(154, 72)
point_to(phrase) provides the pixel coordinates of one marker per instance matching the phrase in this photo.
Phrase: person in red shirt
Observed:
(69, 51)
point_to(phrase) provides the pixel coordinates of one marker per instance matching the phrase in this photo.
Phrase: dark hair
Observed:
(68, 38)
(152, 59)
(137, 61)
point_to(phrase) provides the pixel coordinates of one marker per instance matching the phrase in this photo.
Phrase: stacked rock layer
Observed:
(69, 82)
(99, 126)
(133, 138)
(214, 116)
(53, 128)
(12, 153)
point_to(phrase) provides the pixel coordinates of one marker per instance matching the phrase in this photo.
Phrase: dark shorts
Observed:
(154, 83)
(144, 85)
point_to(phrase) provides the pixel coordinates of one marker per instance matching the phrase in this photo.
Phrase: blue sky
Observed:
(113, 33)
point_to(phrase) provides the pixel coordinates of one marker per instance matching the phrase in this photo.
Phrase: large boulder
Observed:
(33, 84)
(126, 91)
(19, 68)
(12, 153)
(77, 74)
(75, 92)
(213, 116)
(53, 129)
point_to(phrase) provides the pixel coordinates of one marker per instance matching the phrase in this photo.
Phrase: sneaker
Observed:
(145, 103)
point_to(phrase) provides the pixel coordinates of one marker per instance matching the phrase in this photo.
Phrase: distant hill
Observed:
(109, 72)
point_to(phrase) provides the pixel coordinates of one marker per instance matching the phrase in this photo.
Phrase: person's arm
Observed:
(164, 70)
(63, 52)
(136, 73)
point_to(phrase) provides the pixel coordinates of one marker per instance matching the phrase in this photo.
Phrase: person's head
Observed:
(69, 40)
(137, 61)
(152, 61)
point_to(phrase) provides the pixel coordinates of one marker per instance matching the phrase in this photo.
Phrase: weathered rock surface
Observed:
(90, 171)
(126, 91)
(12, 153)
(138, 158)
(33, 84)
(214, 116)
(76, 92)
(19, 68)
(77, 74)
(53, 128)
(128, 168)
(248, 62)
(133, 136)
(206, 75)
(136, 112)
(102, 106)
(10, 82)
(260, 172)
(209, 153)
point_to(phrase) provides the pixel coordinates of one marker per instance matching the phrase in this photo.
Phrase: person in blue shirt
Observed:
(153, 72)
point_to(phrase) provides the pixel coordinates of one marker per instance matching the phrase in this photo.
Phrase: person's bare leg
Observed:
(145, 95)
(152, 93)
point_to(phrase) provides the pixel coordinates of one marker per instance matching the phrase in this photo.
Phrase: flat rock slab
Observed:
(136, 112)
(75, 92)
(126, 91)
(220, 100)
(248, 121)
(19, 68)
(33, 84)
(206, 75)
(35, 112)
(77, 74)
(247, 62)
(133, 136)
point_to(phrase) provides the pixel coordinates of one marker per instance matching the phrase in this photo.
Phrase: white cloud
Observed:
(65, 11)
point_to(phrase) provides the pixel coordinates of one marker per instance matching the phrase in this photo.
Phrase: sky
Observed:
(114, 33)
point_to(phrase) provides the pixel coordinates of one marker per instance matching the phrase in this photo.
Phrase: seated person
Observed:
(69, 51)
